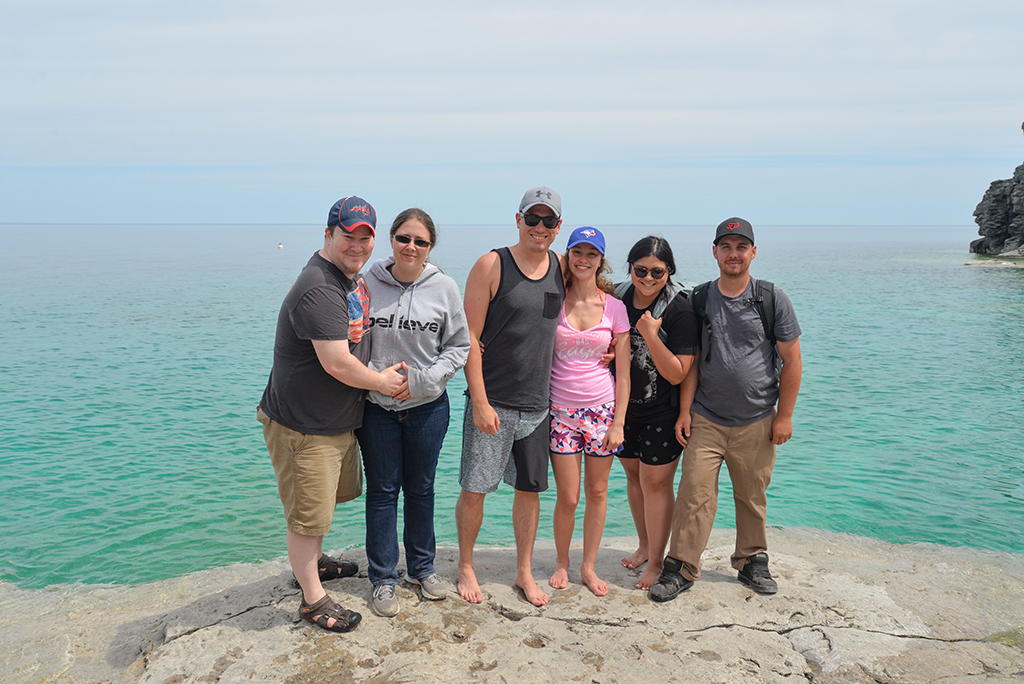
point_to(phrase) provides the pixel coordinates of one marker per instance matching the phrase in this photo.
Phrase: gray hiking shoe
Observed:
(431, 587)
(670, 583)
(384, 602)
(756, 576)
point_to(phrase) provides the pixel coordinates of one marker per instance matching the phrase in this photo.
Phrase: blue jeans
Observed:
(400, 450)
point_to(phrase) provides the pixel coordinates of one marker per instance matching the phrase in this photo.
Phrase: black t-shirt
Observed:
(300, 394)
(652, 397)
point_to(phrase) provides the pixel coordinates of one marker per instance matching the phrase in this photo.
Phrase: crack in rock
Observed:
(828, 640)
(782, 631)
(516, 616)
(594, 622)
(218, 621)
(867, 673)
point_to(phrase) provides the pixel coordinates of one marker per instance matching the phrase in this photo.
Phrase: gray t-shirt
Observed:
(739, 385)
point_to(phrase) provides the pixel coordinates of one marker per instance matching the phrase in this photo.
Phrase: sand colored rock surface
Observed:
(849, 609)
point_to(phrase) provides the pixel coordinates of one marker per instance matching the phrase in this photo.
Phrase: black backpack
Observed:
(764, 300)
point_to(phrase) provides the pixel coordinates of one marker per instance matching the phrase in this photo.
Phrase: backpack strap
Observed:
(699, 302)
(665, 297)
(764, 300)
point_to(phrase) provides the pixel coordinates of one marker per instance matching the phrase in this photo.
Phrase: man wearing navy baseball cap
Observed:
(314, 401)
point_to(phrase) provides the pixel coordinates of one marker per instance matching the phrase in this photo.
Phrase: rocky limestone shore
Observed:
(1000, 218)
(849, 609)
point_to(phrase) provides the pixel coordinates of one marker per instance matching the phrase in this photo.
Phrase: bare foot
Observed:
(560, 580)
(595, 583)
(649, 578)
(534, 594)
(635, 559)
(468, 587)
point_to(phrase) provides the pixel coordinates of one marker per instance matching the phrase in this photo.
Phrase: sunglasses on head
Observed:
(642, 272)
(405, 239)
(533, 219)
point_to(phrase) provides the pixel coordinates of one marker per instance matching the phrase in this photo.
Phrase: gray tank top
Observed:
(519, 336)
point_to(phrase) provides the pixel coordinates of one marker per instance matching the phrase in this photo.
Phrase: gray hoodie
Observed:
(423, 324)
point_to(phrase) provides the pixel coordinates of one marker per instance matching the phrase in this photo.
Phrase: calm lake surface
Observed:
(132, 359)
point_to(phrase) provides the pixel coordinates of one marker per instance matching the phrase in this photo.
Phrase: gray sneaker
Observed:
(431, 587)
(756, 576)
(384, 602)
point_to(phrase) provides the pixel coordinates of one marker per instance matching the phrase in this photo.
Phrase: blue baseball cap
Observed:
(352, 212)
(591, 236)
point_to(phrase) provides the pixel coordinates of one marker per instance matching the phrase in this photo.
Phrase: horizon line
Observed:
(489, 225)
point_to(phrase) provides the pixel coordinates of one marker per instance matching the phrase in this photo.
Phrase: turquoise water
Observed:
(132, 359)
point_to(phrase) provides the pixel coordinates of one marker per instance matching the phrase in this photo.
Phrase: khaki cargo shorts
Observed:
(314, 474)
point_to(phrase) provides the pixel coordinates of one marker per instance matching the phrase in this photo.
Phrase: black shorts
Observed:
(653, 442)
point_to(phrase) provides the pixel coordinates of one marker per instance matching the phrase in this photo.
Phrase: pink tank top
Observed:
(578, 379)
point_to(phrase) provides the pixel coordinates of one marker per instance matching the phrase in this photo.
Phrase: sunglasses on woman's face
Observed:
(533, 219)
(642, 272)
(405, 239)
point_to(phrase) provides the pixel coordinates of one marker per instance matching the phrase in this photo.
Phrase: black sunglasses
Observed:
(533, 219)
(642, 272)
(405, 239)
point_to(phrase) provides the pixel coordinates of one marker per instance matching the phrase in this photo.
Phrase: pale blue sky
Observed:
(874, 113)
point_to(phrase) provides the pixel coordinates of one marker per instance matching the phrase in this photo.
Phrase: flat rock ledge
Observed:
(996, 263)
(849, 609)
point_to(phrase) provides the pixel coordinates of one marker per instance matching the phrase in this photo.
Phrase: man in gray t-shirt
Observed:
(735, 406)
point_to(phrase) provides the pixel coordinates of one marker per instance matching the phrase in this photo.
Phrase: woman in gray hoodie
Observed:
(417, 317)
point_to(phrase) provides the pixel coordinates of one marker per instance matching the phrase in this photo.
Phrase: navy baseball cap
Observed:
(591, 236)
(734, 226)
(352, 212)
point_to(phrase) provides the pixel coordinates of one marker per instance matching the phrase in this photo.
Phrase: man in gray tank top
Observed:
(728, 413)
(513, 297)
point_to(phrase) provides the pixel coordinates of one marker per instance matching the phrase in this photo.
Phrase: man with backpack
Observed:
(728, 413)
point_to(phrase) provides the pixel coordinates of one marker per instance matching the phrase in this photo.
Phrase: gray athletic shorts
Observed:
(517, 452)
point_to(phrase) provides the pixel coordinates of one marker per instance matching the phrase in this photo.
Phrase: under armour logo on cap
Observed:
(541, 195)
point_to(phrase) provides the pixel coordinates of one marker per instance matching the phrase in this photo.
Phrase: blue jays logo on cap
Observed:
(588, 235)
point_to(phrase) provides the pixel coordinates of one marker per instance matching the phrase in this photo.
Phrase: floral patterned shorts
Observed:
(581, 429)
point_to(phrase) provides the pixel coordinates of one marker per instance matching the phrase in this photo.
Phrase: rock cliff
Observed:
(1000, 218)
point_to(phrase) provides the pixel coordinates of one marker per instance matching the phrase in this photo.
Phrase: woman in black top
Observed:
(664, 337)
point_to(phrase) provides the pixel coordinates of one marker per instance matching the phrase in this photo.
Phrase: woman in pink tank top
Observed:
(588, 403)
